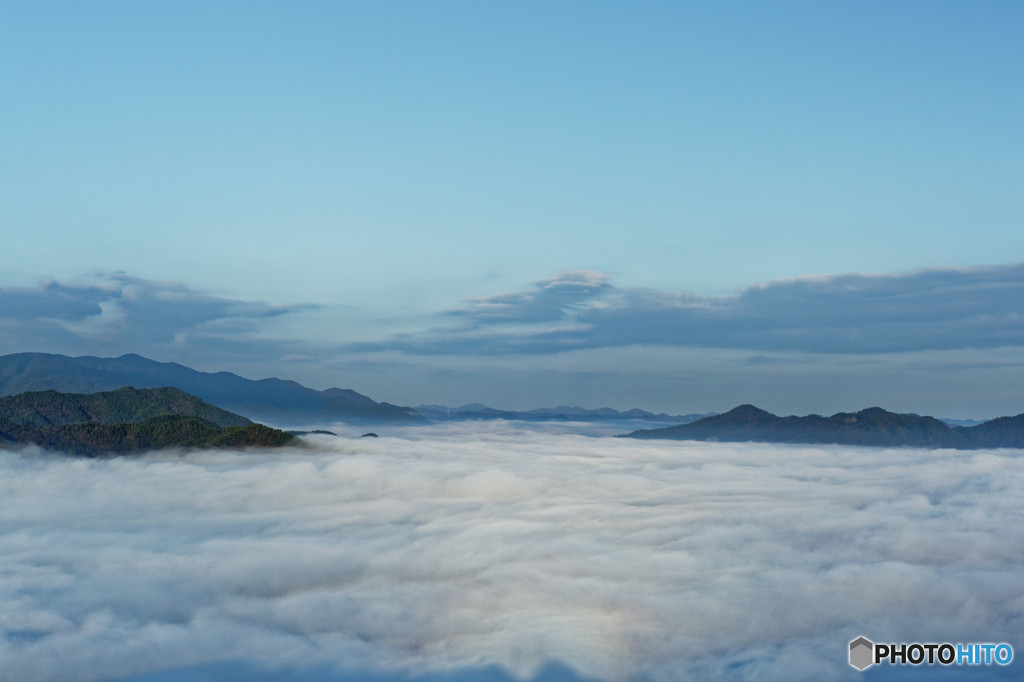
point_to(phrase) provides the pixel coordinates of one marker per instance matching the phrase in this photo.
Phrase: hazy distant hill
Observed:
(126, 420)
(561, 413)
(275, 400)
(873, 426)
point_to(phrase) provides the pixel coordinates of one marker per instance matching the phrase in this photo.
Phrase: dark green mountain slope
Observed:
(125, 421)
(267, 399)
(125, 405)
(873, 426)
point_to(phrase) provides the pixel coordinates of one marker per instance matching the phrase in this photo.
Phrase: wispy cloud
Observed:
(935, 309)
(548, 299)
(120, 312)
(941, 341)
(448, 551)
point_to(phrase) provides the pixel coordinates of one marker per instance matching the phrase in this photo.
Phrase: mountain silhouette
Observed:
(873, 426)
(273, 400)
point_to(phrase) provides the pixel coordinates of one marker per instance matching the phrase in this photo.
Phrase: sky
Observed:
(681, 207)
(492, 553)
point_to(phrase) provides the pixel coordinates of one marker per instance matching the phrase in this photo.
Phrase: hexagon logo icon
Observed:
(862, 653)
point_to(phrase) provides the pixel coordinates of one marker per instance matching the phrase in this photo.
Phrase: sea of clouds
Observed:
(496, 551)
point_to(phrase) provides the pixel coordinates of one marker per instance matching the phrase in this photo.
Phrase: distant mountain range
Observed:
(561, 413)
(873, 426)
(273, 400)
(281, 401)
(125, 421)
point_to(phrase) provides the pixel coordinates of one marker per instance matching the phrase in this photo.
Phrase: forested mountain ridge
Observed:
(127, 420)
(125, 405)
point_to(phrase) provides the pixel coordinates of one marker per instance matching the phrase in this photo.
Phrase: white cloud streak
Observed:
(440, 552)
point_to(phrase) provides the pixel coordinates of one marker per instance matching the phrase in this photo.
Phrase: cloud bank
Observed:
(948, 342)
(130, 314)
(485, 552)
(927, 310)
(936, 309)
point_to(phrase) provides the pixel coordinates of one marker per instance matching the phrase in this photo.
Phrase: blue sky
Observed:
(675, 206)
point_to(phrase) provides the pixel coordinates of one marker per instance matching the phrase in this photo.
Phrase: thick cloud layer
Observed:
(486, 552)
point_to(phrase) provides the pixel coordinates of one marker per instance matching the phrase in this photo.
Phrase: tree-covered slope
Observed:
(125, 405)
(127, 420)
(1003, 432)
